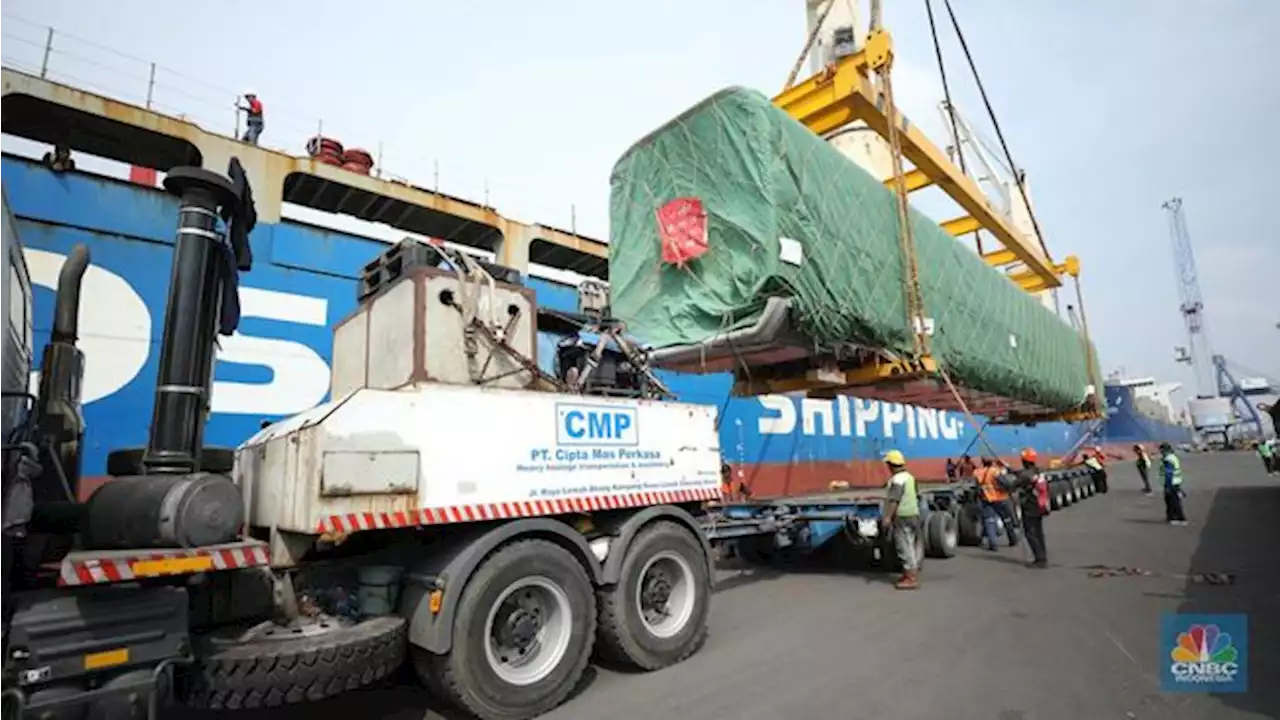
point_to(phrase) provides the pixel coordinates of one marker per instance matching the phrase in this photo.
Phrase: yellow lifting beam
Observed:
(1032, 283)
(843, 93)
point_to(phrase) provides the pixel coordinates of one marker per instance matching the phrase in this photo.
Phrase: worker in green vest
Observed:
(901, 516)
(1267, 454)
(1173, 512)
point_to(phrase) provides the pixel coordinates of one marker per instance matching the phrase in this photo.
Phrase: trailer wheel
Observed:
(941, 535)
(656, 615)
(272, 666)
(522, 636)
(969, 525)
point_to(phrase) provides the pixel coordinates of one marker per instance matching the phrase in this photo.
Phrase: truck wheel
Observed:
(656, 615)
(271, 665)
(941, 535)
(969, 525)
(522, 636)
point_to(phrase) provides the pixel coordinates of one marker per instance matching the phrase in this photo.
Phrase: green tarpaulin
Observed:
(761, 177)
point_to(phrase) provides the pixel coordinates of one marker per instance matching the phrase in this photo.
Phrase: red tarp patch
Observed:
(682, 227)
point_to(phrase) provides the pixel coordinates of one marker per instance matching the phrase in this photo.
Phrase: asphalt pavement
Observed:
(984, 638)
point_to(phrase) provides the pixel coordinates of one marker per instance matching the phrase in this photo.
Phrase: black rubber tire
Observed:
(969, 525)
(271, 674)
(941, 536)
(622, 635)
(463, 676)
(128, 461)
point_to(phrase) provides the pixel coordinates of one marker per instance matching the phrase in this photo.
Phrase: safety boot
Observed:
(908, 581)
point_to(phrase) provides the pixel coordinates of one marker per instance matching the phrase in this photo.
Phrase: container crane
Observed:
(1196, 353)
(1220, 398)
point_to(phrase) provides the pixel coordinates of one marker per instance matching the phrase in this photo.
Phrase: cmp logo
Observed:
(1205, 653)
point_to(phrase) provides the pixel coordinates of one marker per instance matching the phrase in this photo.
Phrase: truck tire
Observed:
(273, 672)
(941, 535)
(656, 615)
(969, 525)
(522, 637)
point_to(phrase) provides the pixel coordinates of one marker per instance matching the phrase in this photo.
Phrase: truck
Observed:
(447, 508)
(453, 506)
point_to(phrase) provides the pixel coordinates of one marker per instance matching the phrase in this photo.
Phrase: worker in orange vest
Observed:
(995, 503)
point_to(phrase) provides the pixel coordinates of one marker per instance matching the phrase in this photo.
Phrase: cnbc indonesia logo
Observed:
(1204, 654)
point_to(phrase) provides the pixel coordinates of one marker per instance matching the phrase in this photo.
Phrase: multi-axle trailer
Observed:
(767, 531)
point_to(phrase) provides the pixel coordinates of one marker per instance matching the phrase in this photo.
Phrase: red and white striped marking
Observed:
(80, 570)
(355, 522)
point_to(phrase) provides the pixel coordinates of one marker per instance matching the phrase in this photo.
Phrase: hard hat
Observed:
(1029, 455)
(894, 457)
(1097, 449)
(250, 93)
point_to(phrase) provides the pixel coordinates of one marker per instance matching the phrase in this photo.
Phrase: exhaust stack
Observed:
(200, 270)
(174, 492)
(59, 414)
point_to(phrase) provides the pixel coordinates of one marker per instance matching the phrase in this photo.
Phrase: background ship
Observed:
(305, 281)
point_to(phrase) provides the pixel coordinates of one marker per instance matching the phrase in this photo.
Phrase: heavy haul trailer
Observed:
(770, 531)
(451, 506)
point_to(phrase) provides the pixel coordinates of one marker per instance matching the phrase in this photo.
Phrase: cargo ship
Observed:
(304, 280)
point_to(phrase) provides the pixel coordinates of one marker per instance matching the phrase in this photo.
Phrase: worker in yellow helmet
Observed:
(901, 516)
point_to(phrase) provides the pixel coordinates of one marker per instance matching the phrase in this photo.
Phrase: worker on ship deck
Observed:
(1032, 491)
(253, 118)
(901, 516)
(995, 503)
(1143, 462)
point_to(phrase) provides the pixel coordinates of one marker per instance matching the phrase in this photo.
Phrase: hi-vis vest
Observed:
(988, 478)
(1172, 460)
(1093, 463)
(909, 505)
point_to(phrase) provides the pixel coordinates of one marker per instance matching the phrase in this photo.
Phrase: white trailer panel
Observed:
(431, 453)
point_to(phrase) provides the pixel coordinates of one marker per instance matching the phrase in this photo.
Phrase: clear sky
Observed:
(1112, 106)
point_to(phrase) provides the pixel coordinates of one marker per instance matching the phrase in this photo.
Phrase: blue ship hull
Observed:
(303, 282)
